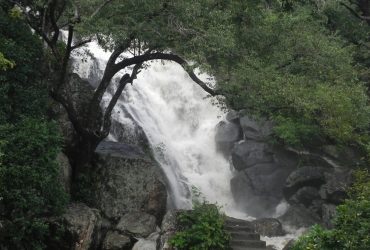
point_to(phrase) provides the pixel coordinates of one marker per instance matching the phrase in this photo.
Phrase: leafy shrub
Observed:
(351, 226)
(201, 228)
(29, 182)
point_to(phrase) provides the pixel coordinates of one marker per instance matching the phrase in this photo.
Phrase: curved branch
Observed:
(125, 79)
(169, 57)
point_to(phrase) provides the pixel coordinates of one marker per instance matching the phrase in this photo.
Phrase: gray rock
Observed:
(257, 130)
(299, 216)
(305, 196)
(233, 116)
(127, 181)
(65, 171)
(169, 222)
(334, 190)
(268, 227)
(149, 243)
(249, 153)
(328, 214)
(82, 225)
(259, 189)
(168, 229)
(115, 241)
(304, 176)
(137, 224)
(227, 134)
(124, 129)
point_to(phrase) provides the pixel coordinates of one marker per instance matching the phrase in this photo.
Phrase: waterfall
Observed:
(179, 121)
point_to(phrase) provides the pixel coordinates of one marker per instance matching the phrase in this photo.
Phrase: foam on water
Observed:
(179, 121)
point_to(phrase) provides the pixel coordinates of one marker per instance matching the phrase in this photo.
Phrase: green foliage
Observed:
(294, 70)
(28, 175)
(30, 190)
(201, 228)
(351, 226)
(22, 92)
(4, 63)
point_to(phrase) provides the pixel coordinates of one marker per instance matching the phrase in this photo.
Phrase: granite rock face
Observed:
(128, 181)
(312, 182)
(227, 133)
(81, 228)
(137, 224)
(115, 241)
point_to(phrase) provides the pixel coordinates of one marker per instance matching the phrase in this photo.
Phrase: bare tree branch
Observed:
(81, 43)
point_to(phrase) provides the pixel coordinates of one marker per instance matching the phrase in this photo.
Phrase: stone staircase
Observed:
(243, 236)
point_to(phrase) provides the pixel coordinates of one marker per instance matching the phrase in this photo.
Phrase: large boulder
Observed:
(150, 243)
(81, 228)
(233, 116)
(227, 133)
(65, 172)
(249, 153)
(257, 130)
(334, 190)
(138, 224)
(115, 241)
(259, 189)
(329, 211)
(124, 129)
(305, 195)
(304, 176)
(168, 229)
(298, 216)
(268, 227)
(128, 180)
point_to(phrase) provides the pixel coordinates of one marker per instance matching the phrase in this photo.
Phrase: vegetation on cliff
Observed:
(303, 64)
(351, 225)
(29, 175)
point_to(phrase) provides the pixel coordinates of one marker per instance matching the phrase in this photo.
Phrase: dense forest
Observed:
(304, 65)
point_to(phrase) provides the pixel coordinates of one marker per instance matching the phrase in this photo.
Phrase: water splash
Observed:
(179, 121)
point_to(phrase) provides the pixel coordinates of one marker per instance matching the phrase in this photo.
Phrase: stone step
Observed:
(244, 236)
(231, 229)
(248, 244)
(237, 222)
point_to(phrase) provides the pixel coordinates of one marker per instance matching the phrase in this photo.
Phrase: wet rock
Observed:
(249, 153)
(328, 214)
(115, 241)
(168, 229)
(255, 130)
(65, 171)
(233, 116)
(305, 196)
(149, 243)
(304, 176)
(137, 224)
(127, 181)
(124, 129)
(268, 227)
(259, 189)
(334, 190)
(227, 134)
(299, 216)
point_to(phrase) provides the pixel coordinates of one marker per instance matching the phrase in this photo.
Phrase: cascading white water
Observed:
(179, 122)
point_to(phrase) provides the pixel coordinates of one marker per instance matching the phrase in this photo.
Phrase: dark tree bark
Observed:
(91, 128)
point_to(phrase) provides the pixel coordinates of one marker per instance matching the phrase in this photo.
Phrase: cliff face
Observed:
(265, 174)
(124, 182)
